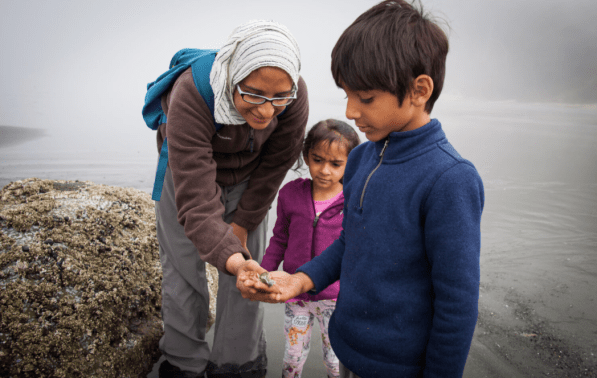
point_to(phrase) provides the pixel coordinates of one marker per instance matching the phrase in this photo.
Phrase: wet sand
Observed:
(484, 361)
(274, 323)
(537, 307)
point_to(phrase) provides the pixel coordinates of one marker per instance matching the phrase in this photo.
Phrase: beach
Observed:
(537, 307)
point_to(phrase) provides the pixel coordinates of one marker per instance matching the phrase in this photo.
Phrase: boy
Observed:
(408, 255)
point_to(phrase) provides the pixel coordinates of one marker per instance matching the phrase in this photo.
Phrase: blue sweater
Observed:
(407, 258)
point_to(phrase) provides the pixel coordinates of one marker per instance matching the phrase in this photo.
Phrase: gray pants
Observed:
(239, 338)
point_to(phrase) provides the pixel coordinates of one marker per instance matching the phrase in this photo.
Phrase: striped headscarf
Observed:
(250, 46)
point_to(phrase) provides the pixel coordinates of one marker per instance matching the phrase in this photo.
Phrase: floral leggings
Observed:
(298, 322)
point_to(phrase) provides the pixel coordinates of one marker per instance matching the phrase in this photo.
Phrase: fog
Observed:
(67, 65)
(519, 101)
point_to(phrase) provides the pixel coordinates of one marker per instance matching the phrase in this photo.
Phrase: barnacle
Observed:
(80, 280)
(266, 279)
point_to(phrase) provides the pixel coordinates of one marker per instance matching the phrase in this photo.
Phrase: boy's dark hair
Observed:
(387, 47)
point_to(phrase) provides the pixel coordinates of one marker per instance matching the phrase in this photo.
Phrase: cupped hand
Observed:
(286, 286)
(248, 282)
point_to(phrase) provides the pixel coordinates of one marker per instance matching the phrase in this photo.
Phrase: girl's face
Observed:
(326, 164)
(265, 81)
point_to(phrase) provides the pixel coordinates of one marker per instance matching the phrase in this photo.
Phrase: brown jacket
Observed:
(200, 158)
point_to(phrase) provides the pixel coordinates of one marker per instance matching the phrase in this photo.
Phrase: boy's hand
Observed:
(287, 286)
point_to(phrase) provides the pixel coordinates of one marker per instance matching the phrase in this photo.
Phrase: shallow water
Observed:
(539, 227)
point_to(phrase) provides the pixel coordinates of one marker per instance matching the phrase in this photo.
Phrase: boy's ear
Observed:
(422, 89)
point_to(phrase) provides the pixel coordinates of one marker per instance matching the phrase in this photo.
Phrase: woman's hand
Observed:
(237, 263)
(248, 282)
(242, 235)
(286, 286)
(246, 271)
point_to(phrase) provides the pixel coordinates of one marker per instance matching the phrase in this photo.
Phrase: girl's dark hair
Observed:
(389, 46)
(328, 132)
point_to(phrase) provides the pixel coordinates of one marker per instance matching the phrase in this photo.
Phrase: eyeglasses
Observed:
(255, 99)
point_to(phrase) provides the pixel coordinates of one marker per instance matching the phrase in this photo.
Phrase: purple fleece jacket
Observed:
(298, 236)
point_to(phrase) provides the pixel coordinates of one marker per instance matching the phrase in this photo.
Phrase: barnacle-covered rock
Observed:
(80, 280)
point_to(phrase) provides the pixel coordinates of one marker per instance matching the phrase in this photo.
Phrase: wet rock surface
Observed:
(80, 280)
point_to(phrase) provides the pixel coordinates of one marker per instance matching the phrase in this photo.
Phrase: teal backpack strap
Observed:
(154, 115)
(160, 174)
(201, 70)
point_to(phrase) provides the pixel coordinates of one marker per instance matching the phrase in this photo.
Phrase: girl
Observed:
(309, 220)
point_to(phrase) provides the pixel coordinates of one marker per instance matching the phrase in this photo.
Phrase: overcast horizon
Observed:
(72, 63)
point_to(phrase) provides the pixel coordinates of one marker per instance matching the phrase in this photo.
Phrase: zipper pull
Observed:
(384, 147)
(315, 220)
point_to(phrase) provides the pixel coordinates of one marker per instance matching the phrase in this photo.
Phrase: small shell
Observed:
(266, 279)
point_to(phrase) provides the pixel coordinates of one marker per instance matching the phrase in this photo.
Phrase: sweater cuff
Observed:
(249, 225)
(225, 255)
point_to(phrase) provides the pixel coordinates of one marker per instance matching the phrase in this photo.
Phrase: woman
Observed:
(216, 194)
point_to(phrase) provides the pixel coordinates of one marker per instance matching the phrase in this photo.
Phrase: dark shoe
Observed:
(251, 369)
(167, 370)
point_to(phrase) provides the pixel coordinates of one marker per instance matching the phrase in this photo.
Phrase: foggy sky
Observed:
(66, 63)
(540, 51)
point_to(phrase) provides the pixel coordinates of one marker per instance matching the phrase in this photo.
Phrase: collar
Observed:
(407, 144)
